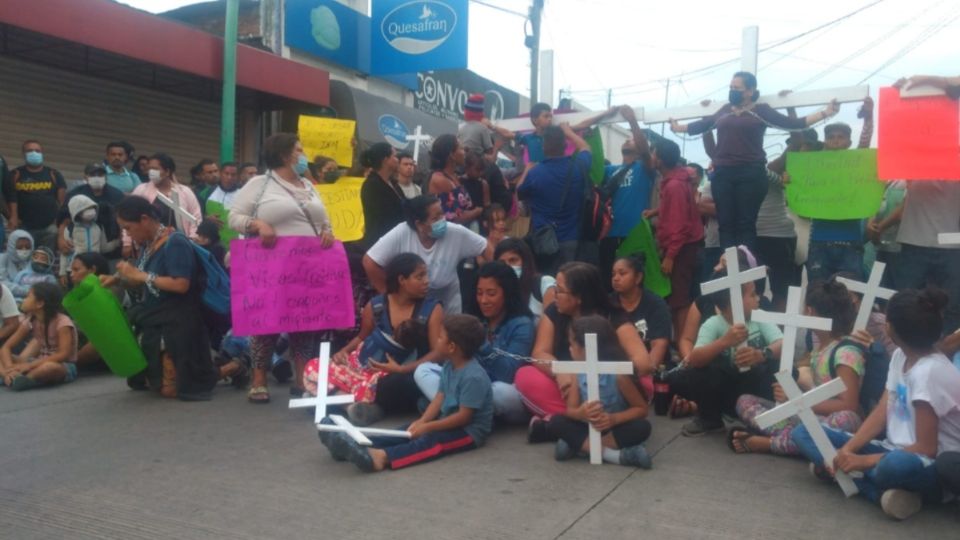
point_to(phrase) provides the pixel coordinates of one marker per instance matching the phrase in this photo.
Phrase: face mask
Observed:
(23, 254)
(39, 267)
(518, 270)
(331, 176)
(301, 165)
(736, 97)
(154, 176)
(438, 229)
(231, 188)
(34, 158)
(97, 182)
(89, 214)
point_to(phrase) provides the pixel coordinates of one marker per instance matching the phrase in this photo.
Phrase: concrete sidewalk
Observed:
(94, 460)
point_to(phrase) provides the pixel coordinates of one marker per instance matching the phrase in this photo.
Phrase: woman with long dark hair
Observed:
(445, 157)
(380, 194)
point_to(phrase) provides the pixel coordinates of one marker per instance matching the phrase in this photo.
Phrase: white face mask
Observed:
(97, 182)
(154, 176)
(23, 254)
(89, 214)
(518, 270)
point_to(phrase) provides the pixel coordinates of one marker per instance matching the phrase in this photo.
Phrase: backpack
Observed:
(874, 380)
(597, 214)
(214, 281)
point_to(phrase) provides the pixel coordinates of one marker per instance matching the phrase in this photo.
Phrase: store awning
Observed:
(122, 38)
(379, 119)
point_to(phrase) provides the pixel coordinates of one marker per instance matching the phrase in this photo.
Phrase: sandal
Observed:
(681, 408)
(258, 394)
(737, 440)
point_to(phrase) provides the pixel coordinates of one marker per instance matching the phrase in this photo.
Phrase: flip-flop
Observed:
(733, 439)
(689, 408)
(258, 394)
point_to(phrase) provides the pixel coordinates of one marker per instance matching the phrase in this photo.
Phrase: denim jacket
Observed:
(514, 336)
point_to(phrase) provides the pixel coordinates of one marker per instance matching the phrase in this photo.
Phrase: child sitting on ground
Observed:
(39, 271)
(919, 411)
(459, 418)
(838, 356)
(728, 361)
(51, 354)
(356, 376)
(619, 415)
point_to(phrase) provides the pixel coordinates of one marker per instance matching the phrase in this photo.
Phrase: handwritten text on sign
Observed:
(297, 286)
(328, 137)
(919, 137)
(837, 184)
(342, 201)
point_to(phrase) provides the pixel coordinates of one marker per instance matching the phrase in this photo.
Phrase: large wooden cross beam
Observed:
(849, 94)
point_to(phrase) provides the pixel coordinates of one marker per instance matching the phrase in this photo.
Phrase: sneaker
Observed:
(900, 503)
(636, 456)
(356, 454)
(562, 451)
(698, 426)
(364, 414)
(820, 473)
(537, 431)
(22, 382)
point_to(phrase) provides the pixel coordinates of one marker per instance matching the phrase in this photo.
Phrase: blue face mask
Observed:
(438, 229)
(34, 158)
(301, 165)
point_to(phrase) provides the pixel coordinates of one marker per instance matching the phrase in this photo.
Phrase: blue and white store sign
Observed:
(394, 131)
(421, 35)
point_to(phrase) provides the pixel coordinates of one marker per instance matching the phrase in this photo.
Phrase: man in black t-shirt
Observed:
(36, 196)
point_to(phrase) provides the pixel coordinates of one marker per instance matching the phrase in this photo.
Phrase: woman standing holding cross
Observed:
(740, 181)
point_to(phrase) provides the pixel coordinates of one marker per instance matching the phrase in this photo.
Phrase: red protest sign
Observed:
(919, 137)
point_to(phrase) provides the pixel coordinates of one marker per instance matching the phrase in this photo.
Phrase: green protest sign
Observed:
(838, 184)
(641, 240)
(227, 234)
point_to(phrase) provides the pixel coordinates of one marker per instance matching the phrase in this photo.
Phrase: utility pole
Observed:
(228, 101)
(532, 42)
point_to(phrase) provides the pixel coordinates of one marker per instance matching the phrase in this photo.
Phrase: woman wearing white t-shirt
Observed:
(441, 244)
(280, 203)
(920, 412)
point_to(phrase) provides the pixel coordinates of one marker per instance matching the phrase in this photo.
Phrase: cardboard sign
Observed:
(342, 201)
(296, 286)
(839, 184)
(328, 137)
(919, 137)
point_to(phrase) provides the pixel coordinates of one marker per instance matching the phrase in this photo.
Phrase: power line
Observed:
(822, 26)
(919, 40)
(500, 8)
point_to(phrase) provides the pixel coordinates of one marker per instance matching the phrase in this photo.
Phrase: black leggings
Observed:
(574, 432)
(948, 471)
(397, 393)
(716, 390)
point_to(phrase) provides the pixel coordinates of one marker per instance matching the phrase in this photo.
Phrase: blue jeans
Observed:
(507, 403)
(824, 259)
(920, 266)
(738, 192)
(896, 469)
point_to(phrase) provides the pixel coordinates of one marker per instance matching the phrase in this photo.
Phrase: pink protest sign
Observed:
(297, 286)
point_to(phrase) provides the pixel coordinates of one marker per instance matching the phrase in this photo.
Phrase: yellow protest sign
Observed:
(342, 201)
(327, 137)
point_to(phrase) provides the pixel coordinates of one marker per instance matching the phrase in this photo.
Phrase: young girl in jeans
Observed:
(620, 414)
(50, 357)
(920, 412)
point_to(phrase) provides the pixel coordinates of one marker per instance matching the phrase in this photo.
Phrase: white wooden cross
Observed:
(167, 201)
(800, 404)
(592, 368)
(791, 320)
(948, 238)
(871, 290)
(418, 137)
(849, 94)
(322, 400)
(733, 282)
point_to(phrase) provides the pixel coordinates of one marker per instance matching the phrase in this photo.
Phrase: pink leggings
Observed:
(542, 396)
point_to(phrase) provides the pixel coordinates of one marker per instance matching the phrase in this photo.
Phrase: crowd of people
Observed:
(470, 280)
